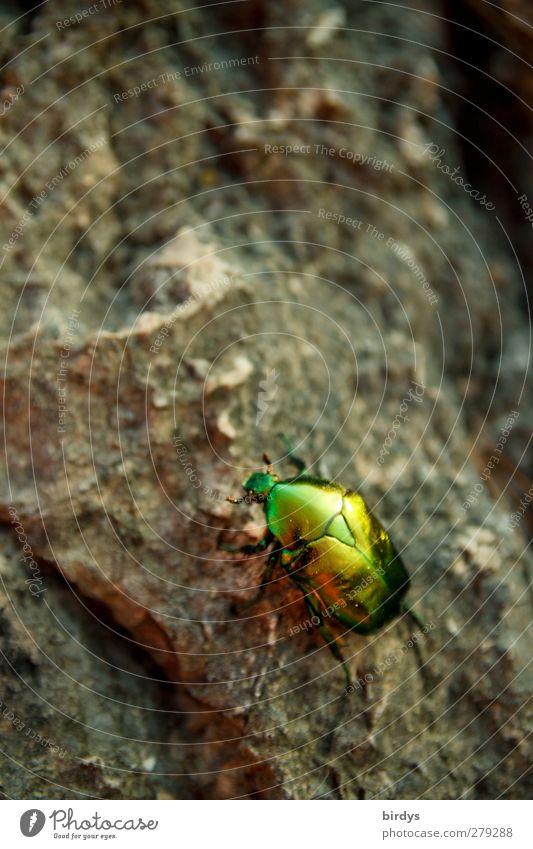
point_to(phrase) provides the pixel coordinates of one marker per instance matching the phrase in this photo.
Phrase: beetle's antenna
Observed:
(418, 654)
(413, 615)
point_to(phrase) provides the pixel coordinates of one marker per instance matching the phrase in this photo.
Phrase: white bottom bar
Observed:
(267, 825)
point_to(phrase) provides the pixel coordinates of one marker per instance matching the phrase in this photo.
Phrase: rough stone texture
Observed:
(81, 712)
(174, 273)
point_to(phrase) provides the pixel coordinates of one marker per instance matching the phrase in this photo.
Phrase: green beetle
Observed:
(332, 547)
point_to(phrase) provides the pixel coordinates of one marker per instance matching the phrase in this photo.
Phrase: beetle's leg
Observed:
(335, 649)
(267, 575)
(250, 548)
(233, 499)
(268, 463)
(296, 461)
(330, 639)
(414, 616)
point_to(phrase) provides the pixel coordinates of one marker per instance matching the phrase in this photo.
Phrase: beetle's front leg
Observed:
(250, 548)
(267, 575)
(330, 639)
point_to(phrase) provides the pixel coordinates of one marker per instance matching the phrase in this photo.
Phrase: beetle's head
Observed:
(259, 484)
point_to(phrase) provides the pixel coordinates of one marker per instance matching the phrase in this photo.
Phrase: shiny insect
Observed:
(332, 547)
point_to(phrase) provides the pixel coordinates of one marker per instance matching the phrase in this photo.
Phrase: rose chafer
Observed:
(332, 547)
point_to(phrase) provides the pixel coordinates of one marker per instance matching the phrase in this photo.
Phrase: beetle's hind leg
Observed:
(299, 464)
(268, 462)
(267, 575)
(250, 548)
(413, 615)
(330, 639)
